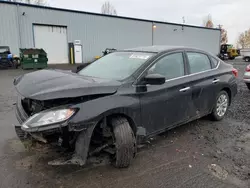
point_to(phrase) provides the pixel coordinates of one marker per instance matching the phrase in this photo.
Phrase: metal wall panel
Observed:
(95, 32)
(9, 27)
(205, 39)
(98, 32)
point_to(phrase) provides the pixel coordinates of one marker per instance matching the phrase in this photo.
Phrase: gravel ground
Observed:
(200, 154)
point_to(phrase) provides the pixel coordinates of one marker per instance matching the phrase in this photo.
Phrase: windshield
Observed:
(4, 50)
(117, 65)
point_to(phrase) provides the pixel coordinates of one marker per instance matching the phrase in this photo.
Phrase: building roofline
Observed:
(104, 15)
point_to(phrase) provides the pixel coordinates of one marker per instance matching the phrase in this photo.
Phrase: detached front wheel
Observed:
(125, 142)
(221, 106)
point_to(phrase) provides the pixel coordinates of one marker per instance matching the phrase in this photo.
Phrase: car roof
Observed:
(4, 47)
(159, 48)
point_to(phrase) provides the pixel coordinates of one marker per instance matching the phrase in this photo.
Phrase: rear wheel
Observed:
(221, 106)
(247, 59)
(125, 142)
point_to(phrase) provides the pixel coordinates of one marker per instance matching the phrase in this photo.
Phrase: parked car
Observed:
(7, 59)
(246, 77)
(122, 99)
(245, 52)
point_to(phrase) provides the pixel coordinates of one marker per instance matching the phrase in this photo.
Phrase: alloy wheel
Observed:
(222, 104)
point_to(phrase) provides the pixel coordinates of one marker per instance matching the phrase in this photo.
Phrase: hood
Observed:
(55, 84)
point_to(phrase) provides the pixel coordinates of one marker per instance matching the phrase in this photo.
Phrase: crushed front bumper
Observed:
(21, 117)
(57, 134)
(38, 133)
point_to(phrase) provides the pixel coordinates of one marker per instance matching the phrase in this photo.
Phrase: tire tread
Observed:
(125, 142)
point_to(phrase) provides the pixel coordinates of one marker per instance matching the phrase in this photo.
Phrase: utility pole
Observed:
(220, 26)
(183, 20)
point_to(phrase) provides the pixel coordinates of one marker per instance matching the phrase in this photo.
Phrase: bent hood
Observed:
(55, 84)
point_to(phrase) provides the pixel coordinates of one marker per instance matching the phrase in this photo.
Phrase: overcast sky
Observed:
(232, 14)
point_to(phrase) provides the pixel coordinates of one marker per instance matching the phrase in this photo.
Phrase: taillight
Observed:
(235, 72)
(248, 68)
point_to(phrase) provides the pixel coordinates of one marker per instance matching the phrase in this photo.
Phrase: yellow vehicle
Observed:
(227, 51)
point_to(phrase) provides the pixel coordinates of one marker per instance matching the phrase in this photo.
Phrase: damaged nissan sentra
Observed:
(122, 99)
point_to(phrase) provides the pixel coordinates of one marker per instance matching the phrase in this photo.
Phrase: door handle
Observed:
(216, 80)
(184, 89)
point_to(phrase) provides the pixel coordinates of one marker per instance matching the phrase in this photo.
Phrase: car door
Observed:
(163, 106)
(203, 80)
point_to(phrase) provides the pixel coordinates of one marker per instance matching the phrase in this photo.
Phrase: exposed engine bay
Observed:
(32, 106)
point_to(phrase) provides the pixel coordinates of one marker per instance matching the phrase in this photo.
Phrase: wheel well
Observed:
(130, 120)
(105, 122)
(228, 92)
(103, 132)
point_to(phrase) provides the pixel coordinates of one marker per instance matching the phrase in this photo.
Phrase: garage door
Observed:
(53, 39)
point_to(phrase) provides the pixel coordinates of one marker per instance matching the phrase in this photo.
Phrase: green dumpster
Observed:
(33, 58)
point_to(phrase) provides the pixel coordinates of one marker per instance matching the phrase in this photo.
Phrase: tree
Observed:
(244, 39)
(36, 2)
(108, 8)
(224, 38)
(208, 22)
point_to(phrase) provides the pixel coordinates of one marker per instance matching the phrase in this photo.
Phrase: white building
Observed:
(30, 26)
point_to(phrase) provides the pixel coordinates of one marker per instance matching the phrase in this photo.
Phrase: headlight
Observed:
(48, 117)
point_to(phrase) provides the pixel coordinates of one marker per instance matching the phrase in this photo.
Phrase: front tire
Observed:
(125, 142)
(221, 106)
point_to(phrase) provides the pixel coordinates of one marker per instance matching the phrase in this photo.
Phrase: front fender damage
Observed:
(81, 150)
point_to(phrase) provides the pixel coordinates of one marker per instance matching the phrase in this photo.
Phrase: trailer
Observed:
(245, 52)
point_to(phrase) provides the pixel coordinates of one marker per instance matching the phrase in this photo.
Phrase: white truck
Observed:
(245, 52)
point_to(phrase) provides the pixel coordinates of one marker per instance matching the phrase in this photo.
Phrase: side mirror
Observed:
(154, 79)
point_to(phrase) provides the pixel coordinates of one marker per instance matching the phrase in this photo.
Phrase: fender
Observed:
(91, 112)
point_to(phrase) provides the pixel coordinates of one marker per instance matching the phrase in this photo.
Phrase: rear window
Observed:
(4, 50)
(198, 62)
(214, 61)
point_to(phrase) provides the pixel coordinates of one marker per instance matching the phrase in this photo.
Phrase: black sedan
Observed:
(122, 99)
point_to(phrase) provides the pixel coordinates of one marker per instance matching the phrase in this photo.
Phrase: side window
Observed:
(198, 62)
(214, 62)
(170, 66)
